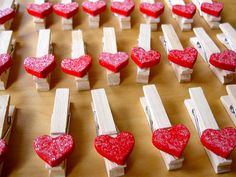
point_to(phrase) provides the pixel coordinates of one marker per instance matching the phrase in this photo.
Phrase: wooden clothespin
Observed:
(228, 37)
(7, 115)
(206, 47)
(7, 46)
(229, 102)
(203, 119)
(151, 12)
(80, 63)
(157, 119)
(183, 13)
(105, 126)
(94, 8)
(204, 6)
(170, 41)
(9, 8)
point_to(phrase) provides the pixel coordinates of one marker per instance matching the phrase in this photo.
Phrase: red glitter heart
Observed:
(66, 10)
(152, 9)
(115, 149)
(185, 58)
(6, 14)
(213, 9)
(171, 140)
(123, 8)
(40, 10)
(40, 66)
(3, 149)
(186, 11)
(114, 62)
(53, 150)
(5, 62)
(94, 8)
(221, 142)
(225, 60)
(77, 67)
(145, 59)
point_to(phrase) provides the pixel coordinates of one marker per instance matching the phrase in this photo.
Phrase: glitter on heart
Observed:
(6, 14)
(94, 8)
(5, 62)
(186, 11)
(66, 10)
(3, 149)
(213, 9)
(123, 8)
(152, 9)
(40, 10)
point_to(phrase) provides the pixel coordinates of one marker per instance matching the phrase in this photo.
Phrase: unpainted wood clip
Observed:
(228, 37)
(203, 119)
(211, 20)
(105, 126)
(184, 23)
(60, 122)
(40, 23)
(170, 41)
(158, 118)
(6, 4)
(78, 49)
(206, 47)
(44, 47)
(67, 24)
(7, 46)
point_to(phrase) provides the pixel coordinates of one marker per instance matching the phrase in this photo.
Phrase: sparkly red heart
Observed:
(171, 140)
(53, 150)
(40, 66)
(6, 14)
(213, 9)
(185, 58)
(186, 11)
(123, 8)
(225, 60)
(115, 149)
(66, 10)
(94, 8)
(145, 59)
(152, 9)
(5, 62)
(114, 62)
(77, 67)
(3, 149)
(40, 10)
(221, 142)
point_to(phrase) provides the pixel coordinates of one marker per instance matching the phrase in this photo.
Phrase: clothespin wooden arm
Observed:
(109, 40)
(4, 103)
(44, 42)
(144, 39)
(78, 48)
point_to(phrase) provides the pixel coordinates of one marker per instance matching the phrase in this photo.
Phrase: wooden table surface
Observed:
(34, 109)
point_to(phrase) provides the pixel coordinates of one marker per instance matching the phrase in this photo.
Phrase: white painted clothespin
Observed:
(7, 114)
(203, 119)
(184, 23)
(105, 126)
(228, 37)
(229, 102)
(212, 21)
(158, 118)
(170, 41)
(4, 4)
(60, 122)
(206, 47)
(7, 46)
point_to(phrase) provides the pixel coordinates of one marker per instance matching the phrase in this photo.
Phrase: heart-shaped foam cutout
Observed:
(115, 149)
(6, 14)
(40, 66)
(77, 67)
(152, 9)
(145, 59)
(185, 58)
(114, 62)
(40, 10)
(221, 142)
(186, 11)
(225, 60)
(213, 9)
(94, 8)
(171, 140)
(3, 149)
(67, 10)
(5, 62)
(53, 150)
(123, 8)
